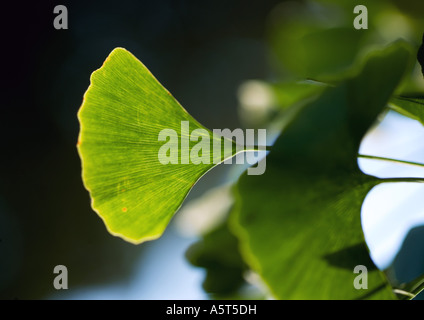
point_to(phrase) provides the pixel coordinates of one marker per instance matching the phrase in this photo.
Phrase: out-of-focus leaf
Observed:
(306, 238)
(218, 253)
(124, 110)
(411, 7)
(410, 107)
(316, 38)
(290, 93)
(310, 41)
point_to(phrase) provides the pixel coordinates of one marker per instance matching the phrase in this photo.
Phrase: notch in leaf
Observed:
(124, 110)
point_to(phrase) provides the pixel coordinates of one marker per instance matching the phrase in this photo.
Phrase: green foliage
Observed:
(410, 107)
(218, 252)
(300, 222)
(298, 226)
(291, 93)
(124, 110)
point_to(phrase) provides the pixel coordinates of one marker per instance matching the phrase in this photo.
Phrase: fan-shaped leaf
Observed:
(124, 111)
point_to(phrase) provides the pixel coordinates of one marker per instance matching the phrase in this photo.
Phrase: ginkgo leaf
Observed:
(122, 119)
(299, 224)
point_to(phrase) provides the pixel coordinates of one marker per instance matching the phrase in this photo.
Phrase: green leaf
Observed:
(290, 93)
(312, 40)
(299, 224)
(410, 107)
(124, 110)
(218, 253)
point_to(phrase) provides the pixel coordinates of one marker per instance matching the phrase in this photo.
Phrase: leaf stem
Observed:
(390, 160)
(419, 180)
(411, 289)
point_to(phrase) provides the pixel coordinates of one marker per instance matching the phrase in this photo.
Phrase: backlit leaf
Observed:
(410, 107)
(124, 110)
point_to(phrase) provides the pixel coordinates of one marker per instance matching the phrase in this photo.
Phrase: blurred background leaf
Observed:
(299, 223)
(410, 107)
(218, 253)
(316, 39)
